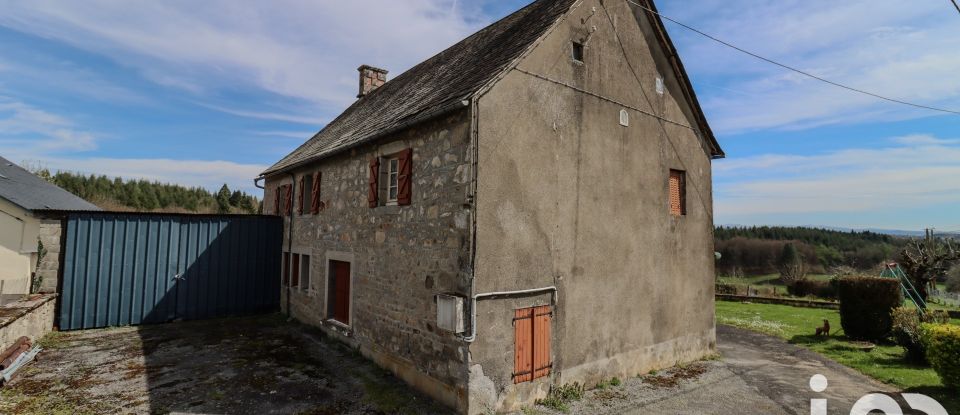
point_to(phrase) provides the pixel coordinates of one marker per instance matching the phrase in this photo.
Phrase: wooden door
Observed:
(341, 291)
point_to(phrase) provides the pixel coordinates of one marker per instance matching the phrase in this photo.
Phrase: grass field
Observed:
(796, 325)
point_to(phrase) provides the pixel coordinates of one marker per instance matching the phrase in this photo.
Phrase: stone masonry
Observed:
(401, 256)
(49, 266)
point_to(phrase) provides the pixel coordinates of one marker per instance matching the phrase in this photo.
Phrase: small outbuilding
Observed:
(30, 230)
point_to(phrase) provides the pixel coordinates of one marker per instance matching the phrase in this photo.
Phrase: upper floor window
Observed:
(390, 179)
(577, 51)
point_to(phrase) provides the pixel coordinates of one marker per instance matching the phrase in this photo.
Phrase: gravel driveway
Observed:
(255, 365)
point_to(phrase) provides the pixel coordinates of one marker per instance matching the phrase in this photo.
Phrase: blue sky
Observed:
(213, 92)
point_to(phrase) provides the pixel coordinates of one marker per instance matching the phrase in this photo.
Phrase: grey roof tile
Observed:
(32, 193)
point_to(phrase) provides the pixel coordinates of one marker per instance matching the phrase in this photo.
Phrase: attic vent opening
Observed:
(624, 118)
(577, 51)
(660, 85)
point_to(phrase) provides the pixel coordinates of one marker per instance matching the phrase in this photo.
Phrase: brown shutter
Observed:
(542, 317)
(276, 200)
(315, 195)
(405, 177)
(288, 200)
(676, 193)
(300, 195)
(373, 189)
(523, 345)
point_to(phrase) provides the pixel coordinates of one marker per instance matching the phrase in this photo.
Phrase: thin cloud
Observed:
(25, 128)
(275, 116)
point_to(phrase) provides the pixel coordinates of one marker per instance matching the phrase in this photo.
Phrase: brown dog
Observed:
(825, 330)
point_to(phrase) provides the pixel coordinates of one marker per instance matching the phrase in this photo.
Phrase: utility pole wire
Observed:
(802, 72)
(956, 5)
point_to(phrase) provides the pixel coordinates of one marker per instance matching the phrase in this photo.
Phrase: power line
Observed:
(788, 67)
(956, 5)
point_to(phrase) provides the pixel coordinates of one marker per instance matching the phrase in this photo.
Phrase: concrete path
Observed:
(761, 374)
(757, 374)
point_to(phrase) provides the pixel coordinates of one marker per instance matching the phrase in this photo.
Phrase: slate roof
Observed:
(433, 86)
(440, 84)
(24, 189)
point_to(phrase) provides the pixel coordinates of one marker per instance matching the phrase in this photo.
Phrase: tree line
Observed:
(117, 194)
(759, 250)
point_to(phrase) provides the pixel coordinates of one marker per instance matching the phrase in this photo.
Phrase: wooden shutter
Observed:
(542, 317)
(523, 345)
(288, 200)
(276, 201)
(372, 188)
(300, 195)
(677, 190)
(405, 177)
(315, 195)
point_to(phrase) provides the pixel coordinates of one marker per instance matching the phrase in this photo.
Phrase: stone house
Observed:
(30, 217)
(530, 207)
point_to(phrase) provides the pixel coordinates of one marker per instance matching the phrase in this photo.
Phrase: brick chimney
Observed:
(370, 78)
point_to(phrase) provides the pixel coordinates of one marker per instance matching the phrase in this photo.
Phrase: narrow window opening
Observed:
(285, 268)
(305, 282)
(578, 52)
(338, 292)
(678, 192)
(295, 280)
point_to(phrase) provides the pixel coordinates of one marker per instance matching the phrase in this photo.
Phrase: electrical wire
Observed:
(955, 4)
(788, 67)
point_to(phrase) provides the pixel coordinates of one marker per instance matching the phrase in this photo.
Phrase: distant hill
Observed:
(118, 194)
(754, 250)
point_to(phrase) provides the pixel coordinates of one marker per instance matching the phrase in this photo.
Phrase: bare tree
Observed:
(925, 260)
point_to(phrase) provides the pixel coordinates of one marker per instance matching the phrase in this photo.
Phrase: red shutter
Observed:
(405, 177)
(288, 200)
(276, 200)
(300, 196)
(373, 189)
(677, 190)
(315, 195)
(542, 317)
(523, 345)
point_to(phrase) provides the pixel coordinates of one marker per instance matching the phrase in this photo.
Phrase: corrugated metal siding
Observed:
(128, 269)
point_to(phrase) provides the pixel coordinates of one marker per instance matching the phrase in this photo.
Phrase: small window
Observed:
(678, 192)
(624, 118)
(305, 282)
(389, 180)
(578, 52)
(659, 85)
(295, 267)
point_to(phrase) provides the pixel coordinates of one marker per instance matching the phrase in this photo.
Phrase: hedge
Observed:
(815, 288)
(942, 342)
(866, 304)
(906, 330)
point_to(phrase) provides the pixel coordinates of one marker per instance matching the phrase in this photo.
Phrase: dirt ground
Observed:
(256, 365)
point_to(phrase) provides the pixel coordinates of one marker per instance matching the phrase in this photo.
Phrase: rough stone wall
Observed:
(32, 318)
(402, 256)
(49, 266)
(569, 197)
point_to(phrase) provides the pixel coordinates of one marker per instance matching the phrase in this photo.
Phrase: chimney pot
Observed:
(370, 78)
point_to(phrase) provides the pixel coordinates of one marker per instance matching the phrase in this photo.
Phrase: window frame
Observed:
(389, 180)
(577, 48)
(682, 192)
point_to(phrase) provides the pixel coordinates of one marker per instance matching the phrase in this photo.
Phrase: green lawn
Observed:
(797, 325)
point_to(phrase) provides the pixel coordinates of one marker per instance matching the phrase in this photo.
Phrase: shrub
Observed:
(866, 304)
(943, 351)
(816, 288)
(726, 289)
(906, 330)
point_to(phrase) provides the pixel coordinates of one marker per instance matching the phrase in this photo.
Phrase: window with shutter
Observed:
(678, 191)
(288, 200)
(285, 268)
(315, 194)
(373, 189)
(295, 271)
(531, 330)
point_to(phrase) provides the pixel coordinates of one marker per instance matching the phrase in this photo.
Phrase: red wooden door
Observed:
(341, 291)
